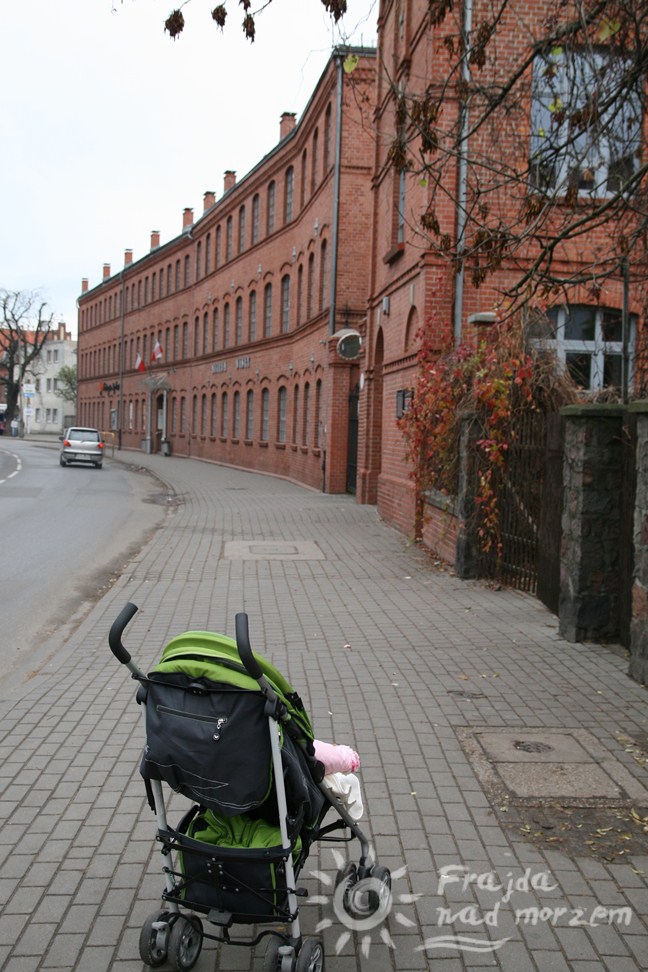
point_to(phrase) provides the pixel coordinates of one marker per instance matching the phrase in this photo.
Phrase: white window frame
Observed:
(597, 349)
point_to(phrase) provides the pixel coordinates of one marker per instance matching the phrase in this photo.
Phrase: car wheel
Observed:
(98, 465)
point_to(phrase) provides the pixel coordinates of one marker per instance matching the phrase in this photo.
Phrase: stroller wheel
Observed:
(154, 942)
(380, 894)
(185, 942)
(311, 956)
(272, 959)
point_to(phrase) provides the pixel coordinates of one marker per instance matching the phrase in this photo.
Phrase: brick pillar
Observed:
(591, 523)
(639, 622)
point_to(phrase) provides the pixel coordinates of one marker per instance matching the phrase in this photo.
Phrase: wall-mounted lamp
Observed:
(316, 227)
(259, 270)
(294, 253)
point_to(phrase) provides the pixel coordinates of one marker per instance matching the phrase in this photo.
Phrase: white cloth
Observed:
(346, 787)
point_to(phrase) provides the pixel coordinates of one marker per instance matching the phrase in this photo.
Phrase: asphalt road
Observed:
(65, 533)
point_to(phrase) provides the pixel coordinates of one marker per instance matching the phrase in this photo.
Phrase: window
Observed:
(241, 239)
(267, 311)
(177, 275)
(176, 346)
(194, 415)
(198, 259)
(187, 270)
(589, 342)
(288, 195)
(585, 122)
(265, 413)
(226, 326)
(304, 170)
(306, 413)
(208, 254)
(271, 209)
(203, 415)
(327, 139)
(224, 416)
(169, 280)
(285, 304)
(174, 415)
(153, 288)
(229, 243)
(236, 418)
(323, 274)
(300, 291)
(183, 415)
(215, 332)
(205, 340)
(295, 428)
(281, 415)
(185, 339)
(196, 340)
(239, 320)
(212, 425)
(318, 413)
(314, 162)
(311, 287)
(249, 415)
(255, 219)
(253, 314)
(218, 247)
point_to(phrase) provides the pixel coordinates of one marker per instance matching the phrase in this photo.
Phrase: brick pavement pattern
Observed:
(392, 655)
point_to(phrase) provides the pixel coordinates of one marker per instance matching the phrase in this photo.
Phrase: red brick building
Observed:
(411, 284)
(324, 235)
(221, 344)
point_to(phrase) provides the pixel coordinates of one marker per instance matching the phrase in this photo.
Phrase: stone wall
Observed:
(639, 622)
(590, 592)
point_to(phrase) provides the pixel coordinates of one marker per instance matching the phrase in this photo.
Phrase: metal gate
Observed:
(626, 526)
(529, 518)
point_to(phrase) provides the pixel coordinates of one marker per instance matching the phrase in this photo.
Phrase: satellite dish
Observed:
(349, 344)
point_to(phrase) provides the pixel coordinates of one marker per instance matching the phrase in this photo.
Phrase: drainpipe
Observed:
(336, 196)
(462, 177)
(121, 365)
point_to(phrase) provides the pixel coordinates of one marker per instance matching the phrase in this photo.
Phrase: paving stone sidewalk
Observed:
(392, 655)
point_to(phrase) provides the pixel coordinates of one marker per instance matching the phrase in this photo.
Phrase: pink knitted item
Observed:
(336, 759)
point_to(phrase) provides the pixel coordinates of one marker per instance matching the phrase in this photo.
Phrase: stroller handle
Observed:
(250, 663)
(117, 630)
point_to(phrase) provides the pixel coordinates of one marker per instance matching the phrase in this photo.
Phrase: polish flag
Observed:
(157, 352)
(139, 364)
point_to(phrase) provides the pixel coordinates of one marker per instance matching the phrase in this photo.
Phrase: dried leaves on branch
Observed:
(544, 108)
(496, 382)
(175, 22)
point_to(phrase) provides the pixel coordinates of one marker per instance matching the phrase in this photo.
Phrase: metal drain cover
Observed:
(529, 746)
(272, 550)
(542, 764)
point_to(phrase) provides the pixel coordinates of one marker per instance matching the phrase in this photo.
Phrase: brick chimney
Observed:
(187, 218)
(84, 285)
(155, 239)
(128, 257)
(106, 271)
(208, 200)
(287, 123)
(230, 180)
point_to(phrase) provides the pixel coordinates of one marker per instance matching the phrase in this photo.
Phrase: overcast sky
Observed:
(110, 128)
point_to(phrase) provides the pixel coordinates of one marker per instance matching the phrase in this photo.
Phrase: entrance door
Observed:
(352, 441)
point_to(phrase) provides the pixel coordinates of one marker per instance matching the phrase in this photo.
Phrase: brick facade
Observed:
(244, 304)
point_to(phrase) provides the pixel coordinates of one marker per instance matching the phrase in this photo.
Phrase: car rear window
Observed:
(87, 435)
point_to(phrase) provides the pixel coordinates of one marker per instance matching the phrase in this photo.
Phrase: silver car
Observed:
(81, 445)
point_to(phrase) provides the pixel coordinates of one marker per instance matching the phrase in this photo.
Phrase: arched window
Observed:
(226, 326)
(236, 418)
(249, 415)
(267, 311)
(288, 194)
(239, 320)
(215, 329)
(285, 304)
(305, 423)
(323, 274)
(270, 215)
(255, 219)
(213, 428)
(295, 424)
(224, 416)
(241, 229)
(253, 315)
(281, 415)
(265, 414)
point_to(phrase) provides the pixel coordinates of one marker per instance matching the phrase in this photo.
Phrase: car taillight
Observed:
(66, 443)
(101, 445)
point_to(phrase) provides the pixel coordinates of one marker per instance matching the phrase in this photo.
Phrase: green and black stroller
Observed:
(225, 729)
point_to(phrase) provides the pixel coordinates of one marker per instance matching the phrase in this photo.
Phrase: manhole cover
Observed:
(528, 746)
